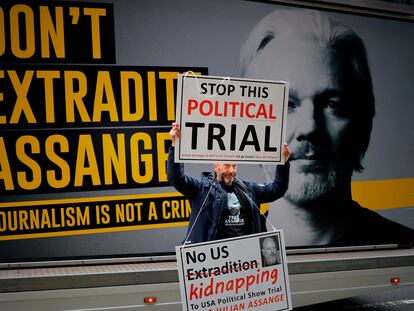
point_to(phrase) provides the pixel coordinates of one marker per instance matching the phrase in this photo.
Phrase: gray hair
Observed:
(332, 34)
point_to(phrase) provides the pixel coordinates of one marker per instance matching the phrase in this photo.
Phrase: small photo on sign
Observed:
(270, 249)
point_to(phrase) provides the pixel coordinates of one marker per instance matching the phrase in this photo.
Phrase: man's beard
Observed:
(271, 260)
(227, 179)
(315, 185)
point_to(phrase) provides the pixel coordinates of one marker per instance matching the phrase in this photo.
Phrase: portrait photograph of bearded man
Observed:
(330, 117)
(270, 251)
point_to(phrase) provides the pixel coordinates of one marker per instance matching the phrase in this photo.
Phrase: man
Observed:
(270, 252)
(224, 206)
(331, 107)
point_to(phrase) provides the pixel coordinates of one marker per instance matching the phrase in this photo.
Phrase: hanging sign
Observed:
(243, 273)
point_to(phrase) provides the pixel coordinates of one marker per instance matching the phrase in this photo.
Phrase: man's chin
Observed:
(228, 181)
(306, 188)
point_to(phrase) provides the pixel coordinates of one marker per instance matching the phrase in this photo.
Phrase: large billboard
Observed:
(87, 98)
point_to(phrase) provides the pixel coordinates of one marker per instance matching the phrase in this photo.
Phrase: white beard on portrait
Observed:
(313, 183)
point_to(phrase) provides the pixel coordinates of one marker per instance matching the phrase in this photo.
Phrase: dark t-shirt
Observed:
(233, 218)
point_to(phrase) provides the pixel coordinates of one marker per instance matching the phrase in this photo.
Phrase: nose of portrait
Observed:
(306, 121)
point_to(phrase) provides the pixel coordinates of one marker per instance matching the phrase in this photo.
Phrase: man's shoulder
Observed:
(363, 226)
(370, 220)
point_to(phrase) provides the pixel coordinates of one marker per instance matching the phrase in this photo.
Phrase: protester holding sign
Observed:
(224, 206)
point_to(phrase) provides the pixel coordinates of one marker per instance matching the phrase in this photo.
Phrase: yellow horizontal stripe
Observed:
(372, 194)
(383, 194)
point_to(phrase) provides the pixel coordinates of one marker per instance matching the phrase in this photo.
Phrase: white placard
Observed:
(230, 119)
(243, 273)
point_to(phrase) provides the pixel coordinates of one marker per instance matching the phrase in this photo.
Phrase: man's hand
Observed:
(286, 152)
(174, 133)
